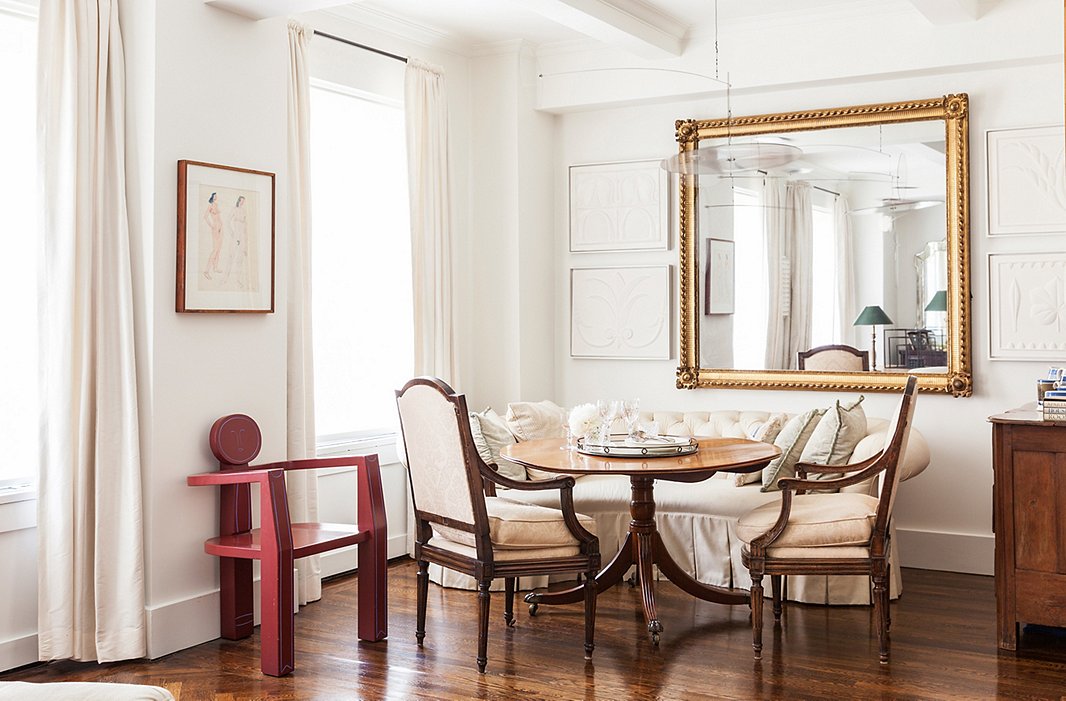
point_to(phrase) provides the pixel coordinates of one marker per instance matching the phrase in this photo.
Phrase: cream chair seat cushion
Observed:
(519, 525)
(815, 521)
(82, 691)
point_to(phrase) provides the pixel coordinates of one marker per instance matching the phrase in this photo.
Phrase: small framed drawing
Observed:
(620, 312)
(618, 207)
(1026, 181)
(1027, 305)
(225, 239)
(719, 284)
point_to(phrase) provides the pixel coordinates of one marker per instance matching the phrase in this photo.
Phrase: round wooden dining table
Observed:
(643, 545)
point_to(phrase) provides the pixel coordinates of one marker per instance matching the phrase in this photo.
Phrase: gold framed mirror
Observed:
(805, 232)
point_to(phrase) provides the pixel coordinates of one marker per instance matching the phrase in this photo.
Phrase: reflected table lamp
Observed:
(939, 302)
(872, 316)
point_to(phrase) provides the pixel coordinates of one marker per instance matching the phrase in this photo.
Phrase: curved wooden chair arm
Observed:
(527, 485)
(869, 468)
(760, 544)
(802, 468)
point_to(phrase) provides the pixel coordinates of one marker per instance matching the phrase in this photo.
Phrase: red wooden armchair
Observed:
(236, 441)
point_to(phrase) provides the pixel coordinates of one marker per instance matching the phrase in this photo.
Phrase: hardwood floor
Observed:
(943, 647)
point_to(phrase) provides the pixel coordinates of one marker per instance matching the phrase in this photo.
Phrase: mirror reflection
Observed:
(824, 250)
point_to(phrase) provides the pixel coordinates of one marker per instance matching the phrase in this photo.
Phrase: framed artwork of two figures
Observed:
(225, 239)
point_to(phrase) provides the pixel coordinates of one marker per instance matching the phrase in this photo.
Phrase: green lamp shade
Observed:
(872, 316)
(939, 302)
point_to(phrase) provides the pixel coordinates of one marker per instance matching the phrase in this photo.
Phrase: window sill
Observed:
(384, 445)
(18, 505)
(12, 491)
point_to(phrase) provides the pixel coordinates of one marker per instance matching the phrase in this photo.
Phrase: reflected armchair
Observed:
(834, 358)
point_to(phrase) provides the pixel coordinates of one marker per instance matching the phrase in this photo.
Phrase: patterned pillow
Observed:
(490, 436)
(791, 441)
(530, 421)
(765, 432)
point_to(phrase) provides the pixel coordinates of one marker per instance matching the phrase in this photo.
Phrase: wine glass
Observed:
(630, 411)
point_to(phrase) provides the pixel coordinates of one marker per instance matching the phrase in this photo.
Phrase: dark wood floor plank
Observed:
(943, 647)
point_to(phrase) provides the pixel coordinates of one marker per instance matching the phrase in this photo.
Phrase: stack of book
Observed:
(1055, 405)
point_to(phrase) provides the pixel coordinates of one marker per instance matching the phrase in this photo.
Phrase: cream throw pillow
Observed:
(791, 440)
(530, 421)
(834, 439)
(765, 432)
(491, 434)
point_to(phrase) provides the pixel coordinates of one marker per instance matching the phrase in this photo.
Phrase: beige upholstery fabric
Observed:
(791, 441)
(506, 553)
(766, 432)
(815, 521)
(491, 434)
(516, 524)
(530, 421)
(435, 454)
(698, 521)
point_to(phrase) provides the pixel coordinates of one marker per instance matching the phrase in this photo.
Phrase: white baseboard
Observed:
(347, 559)
(951, 552)
(18, 652)
(181, 624)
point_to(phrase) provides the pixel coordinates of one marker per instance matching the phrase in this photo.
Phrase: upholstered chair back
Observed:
(836, 358)
(433, 420)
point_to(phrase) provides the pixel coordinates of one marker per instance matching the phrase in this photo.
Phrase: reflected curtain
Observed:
(844, 310)
(91, 558)
(789, 236)
(426, 109)
(301, 485)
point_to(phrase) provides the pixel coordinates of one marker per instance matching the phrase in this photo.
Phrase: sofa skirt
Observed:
(704, 545)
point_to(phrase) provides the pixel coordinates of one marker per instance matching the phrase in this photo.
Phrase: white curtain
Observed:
(431, 227)
(844, 311)
(91, 559)
(789, 235)
(801, 238)
(301, 485)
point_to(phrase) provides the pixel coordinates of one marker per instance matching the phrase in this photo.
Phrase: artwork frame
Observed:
(225, 239)
(1033, 283)
(619, 206)
(719, 281)
(621, 312)
(1026, 180)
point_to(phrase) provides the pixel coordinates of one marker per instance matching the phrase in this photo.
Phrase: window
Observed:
(18, 264)
(361, 263)
(752, 287)
(825, 329)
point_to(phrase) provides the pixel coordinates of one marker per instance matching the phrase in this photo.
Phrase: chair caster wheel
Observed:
(533, 609)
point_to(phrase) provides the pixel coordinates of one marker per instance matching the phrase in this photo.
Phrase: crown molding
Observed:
(792, 17)
(402, 28)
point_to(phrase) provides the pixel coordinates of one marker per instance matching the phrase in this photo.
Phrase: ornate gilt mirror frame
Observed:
(953, 110)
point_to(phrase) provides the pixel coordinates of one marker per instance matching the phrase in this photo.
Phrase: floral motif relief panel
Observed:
(620, 312)
(1028, 305)
(1026, 181)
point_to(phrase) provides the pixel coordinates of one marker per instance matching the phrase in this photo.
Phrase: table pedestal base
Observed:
(643, 547)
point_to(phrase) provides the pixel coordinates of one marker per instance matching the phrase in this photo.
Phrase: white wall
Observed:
(944, 516)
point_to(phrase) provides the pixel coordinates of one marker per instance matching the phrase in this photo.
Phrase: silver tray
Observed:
(665, 447)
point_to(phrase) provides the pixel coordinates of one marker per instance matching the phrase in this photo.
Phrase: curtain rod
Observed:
(357, 45)
(826, 190)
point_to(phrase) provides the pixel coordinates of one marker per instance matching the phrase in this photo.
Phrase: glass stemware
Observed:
(630, 412)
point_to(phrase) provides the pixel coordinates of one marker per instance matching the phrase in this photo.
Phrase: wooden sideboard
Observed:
(1029, 521)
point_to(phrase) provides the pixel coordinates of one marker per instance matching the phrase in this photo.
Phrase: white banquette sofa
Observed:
(697, 521)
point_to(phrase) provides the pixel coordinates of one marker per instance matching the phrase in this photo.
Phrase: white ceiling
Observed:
(656, 26)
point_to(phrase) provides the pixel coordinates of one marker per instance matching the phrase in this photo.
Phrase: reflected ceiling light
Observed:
(730, 158)
(894, 205)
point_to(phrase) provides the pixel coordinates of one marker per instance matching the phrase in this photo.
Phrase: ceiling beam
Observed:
(628, 24)
(948, 11)
(263, 9)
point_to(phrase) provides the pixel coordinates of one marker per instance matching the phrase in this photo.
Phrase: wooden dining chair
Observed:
(829, 533)
(486, 537)
(235, 441)
(834, 358)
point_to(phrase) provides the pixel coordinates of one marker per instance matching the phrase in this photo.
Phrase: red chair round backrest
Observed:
(235, 439)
